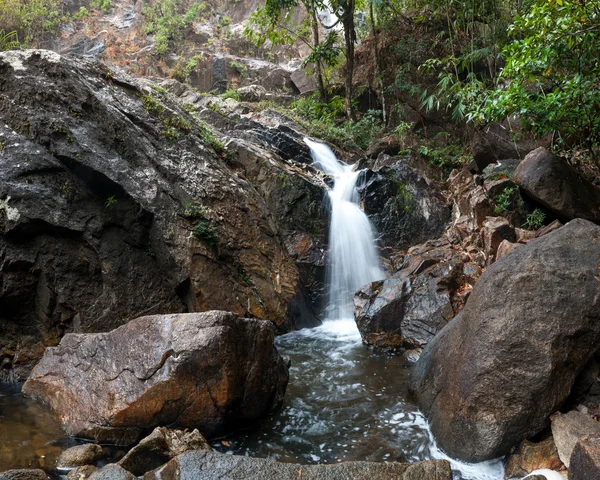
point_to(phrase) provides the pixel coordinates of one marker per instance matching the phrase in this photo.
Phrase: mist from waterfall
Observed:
(353, 258)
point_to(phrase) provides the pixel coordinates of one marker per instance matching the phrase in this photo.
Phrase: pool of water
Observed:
(344, 402)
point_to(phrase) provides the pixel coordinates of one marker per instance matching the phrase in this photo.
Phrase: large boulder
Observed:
(108, 186)
(551, 182)
(213, 465)
(493, 375)
(210, 370)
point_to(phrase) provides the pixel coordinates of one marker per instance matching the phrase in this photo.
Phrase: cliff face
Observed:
(113, 204)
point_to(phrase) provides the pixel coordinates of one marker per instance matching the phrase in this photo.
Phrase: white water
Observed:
(353, 259)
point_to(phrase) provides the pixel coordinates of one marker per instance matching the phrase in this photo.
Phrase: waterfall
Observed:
(353, 259)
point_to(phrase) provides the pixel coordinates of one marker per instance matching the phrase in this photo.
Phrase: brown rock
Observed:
(585, 459)
(159, 447)
(567, 429)
(533, 456)
(81, 473)
(523, 236)
(555, 225)
(80, 455)
(111, 471)
(496, 230)
(210, 370)
(24, 474)
(505, 247)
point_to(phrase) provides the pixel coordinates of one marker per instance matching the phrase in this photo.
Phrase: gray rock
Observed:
(585, 459)
(214, 466)
(303, 82)
(80, 455)
(112, 471)
(81, 473)
(211, 370)
(159, 447)
(493, 375)
(551, 182)
(24, 474)
(567, 429)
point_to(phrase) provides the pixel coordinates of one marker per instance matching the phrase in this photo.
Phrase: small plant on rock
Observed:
(535, 220)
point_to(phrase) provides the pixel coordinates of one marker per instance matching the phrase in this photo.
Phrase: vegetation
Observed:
(202, 227)
(27, 23)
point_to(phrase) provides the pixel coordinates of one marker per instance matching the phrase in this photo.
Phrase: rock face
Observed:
(410, 307)
(550, 181)
(211, 370)
(107, 186)
(493, 375)
(403, 206)
(212, 465)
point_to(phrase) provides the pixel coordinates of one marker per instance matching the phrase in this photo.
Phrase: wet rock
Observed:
(533, 456)
(552, 183)
(81, 473)
(495, 230)
(568, 428)
(585, 459)
(211, 370)
(233, 467)
(410, 307)
(159, 447)
(112, 471)
(403, 206)
(484, 393)
(80, 455)
(24, 474)
(96, 176)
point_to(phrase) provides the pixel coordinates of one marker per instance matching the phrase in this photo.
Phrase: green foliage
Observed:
(534, 220)
(445, 158)
(328, 52)
(33, 20)
(240, 68)
(9, 41)
(110, 201)
(232, 93)
(152, 105)
(312, 109)
(404, 199)
(202, 227)
(509, 200)
(81, 13)
(192, 64)
(104, 5)
(166, 20)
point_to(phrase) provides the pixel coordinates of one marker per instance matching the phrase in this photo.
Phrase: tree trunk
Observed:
(349, 37)
(378, 68)
(318, 66)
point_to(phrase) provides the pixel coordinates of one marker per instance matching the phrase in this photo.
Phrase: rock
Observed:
(252, 93)
(24, 474)
(96, 176)
(485, 393)
(410, 307)
(555, 225)
(81, 473)
(495, 230)
(303, 82)
(389, 146)
(567, 429)
(159, 447)
(585, 459)
(504, 248)
(551, 182)
(233, 467)
(112, 471)
(403, 206)
(523, 236)
(533, 456)
(211, 370)
(496, 142)
(80, 455)
(496, 187)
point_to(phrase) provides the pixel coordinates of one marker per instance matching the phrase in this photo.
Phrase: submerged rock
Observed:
(212, 465)
(107, 186)
(551, 182)
(80, 455)
(493, 375)
(211, 370)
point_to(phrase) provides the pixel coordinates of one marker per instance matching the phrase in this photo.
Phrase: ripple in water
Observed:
(346, 402)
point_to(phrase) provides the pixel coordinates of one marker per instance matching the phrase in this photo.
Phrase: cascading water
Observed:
(353, 259)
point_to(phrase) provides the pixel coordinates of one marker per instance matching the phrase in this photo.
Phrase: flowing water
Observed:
(344, 401)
